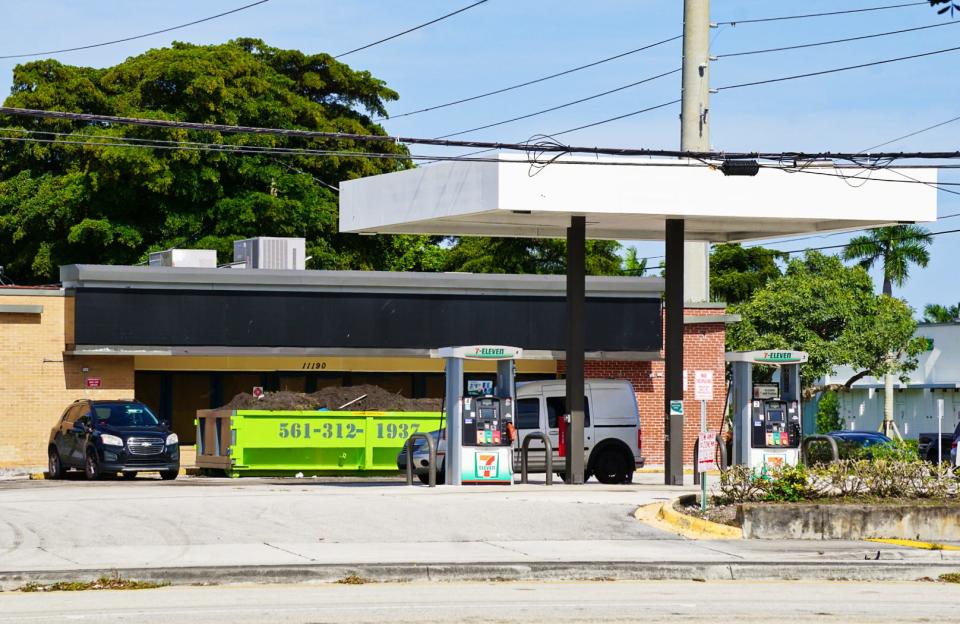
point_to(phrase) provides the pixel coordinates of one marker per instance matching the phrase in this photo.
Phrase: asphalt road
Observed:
(744, 603)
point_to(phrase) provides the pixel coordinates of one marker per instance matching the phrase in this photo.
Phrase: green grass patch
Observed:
(104, 582)
(950, 577)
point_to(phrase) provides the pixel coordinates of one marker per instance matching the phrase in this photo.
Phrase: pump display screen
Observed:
(487, 413)
(775, 415)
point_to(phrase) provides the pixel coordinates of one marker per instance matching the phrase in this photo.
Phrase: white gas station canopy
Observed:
(504, 198)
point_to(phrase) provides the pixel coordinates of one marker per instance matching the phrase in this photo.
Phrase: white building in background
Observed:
(915, 402)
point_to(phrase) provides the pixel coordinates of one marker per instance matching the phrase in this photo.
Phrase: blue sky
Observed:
(504, 42)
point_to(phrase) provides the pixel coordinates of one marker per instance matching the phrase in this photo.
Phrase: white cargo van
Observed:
(611, 426)
(612, 441)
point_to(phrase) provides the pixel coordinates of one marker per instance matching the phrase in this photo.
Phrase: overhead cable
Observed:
(913, 134)
(610, 151)
(805, 249)
(826, 14)
(410, 30)
(565, 105)
(308, 152)
(835, 41)
(532, 82)
(149, 34)
(835, 70)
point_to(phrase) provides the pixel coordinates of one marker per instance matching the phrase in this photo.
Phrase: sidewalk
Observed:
(204, 530)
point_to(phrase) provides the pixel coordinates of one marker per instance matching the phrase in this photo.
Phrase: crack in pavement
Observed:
(68, 560)
(513, 550)
(289, 552)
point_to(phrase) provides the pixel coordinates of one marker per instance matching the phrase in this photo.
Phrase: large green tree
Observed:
(65, 202)
(895, 247)
(736, 272)
(829, 310)
(523, 255)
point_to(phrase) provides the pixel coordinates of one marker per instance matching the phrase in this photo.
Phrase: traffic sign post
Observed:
(939, 432)
(707, 445)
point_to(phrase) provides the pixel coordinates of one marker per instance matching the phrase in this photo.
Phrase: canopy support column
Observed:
(576, 295)
(673, 354)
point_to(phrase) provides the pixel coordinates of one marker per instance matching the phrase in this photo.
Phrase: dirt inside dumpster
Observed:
(377, 399)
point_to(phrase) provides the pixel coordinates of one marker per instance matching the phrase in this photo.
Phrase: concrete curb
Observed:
(189, 471)
(664, 516)
(507, 571)
(907, 543)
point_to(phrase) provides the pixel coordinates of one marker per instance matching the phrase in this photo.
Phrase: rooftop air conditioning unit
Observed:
(268, 252)
(185, 258)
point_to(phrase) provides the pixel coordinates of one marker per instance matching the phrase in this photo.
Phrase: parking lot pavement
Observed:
(202, 521)
(71, 525)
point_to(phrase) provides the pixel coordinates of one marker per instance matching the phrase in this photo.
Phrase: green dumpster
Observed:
(248, 442)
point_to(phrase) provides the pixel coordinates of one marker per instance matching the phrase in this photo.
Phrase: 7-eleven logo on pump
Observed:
(487, 465)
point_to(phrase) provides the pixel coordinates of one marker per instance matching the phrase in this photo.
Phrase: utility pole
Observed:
(695, 129)
(687, 263)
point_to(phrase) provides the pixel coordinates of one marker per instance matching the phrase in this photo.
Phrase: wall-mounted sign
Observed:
(94, 382)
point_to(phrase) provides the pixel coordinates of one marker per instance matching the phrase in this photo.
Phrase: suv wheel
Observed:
(54, 465)
(169, 475)
(610, 467)
(91, 467)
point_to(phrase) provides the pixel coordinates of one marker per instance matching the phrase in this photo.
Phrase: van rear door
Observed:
(556, 404)
(529, 418)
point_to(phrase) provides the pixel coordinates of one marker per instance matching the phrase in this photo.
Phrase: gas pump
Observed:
(480, 427)
(767, 420)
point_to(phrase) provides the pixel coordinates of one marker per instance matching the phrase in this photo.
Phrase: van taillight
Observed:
(640, 440)
(953, 444)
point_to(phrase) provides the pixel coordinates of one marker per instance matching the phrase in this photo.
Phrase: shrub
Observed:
(894, 477)
(828, 412)
(895, 450)
(739, 484)
(788, 484)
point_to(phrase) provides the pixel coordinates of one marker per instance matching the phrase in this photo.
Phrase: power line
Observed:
(410, 30)
(617, 118)
(806, 249)
(531, 82)
(912, 134)
(835, 70)
(591, 125)
(647, 47)
(307, 152)
(835, 41)
(553, 148)
(845, 245)
(149, 34)
(829, 13)
(565, 105)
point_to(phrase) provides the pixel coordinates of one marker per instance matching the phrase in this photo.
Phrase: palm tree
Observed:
(936, 313)
(896, 247)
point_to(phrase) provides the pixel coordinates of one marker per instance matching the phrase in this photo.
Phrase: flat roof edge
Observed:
(106, 276)
(135, 350)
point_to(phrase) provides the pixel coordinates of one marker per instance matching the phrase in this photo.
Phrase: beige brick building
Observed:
(38, 379)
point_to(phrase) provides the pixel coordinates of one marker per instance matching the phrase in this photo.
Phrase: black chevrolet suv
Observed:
(102, 437)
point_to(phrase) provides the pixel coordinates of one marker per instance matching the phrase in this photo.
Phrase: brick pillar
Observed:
(704, 345)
